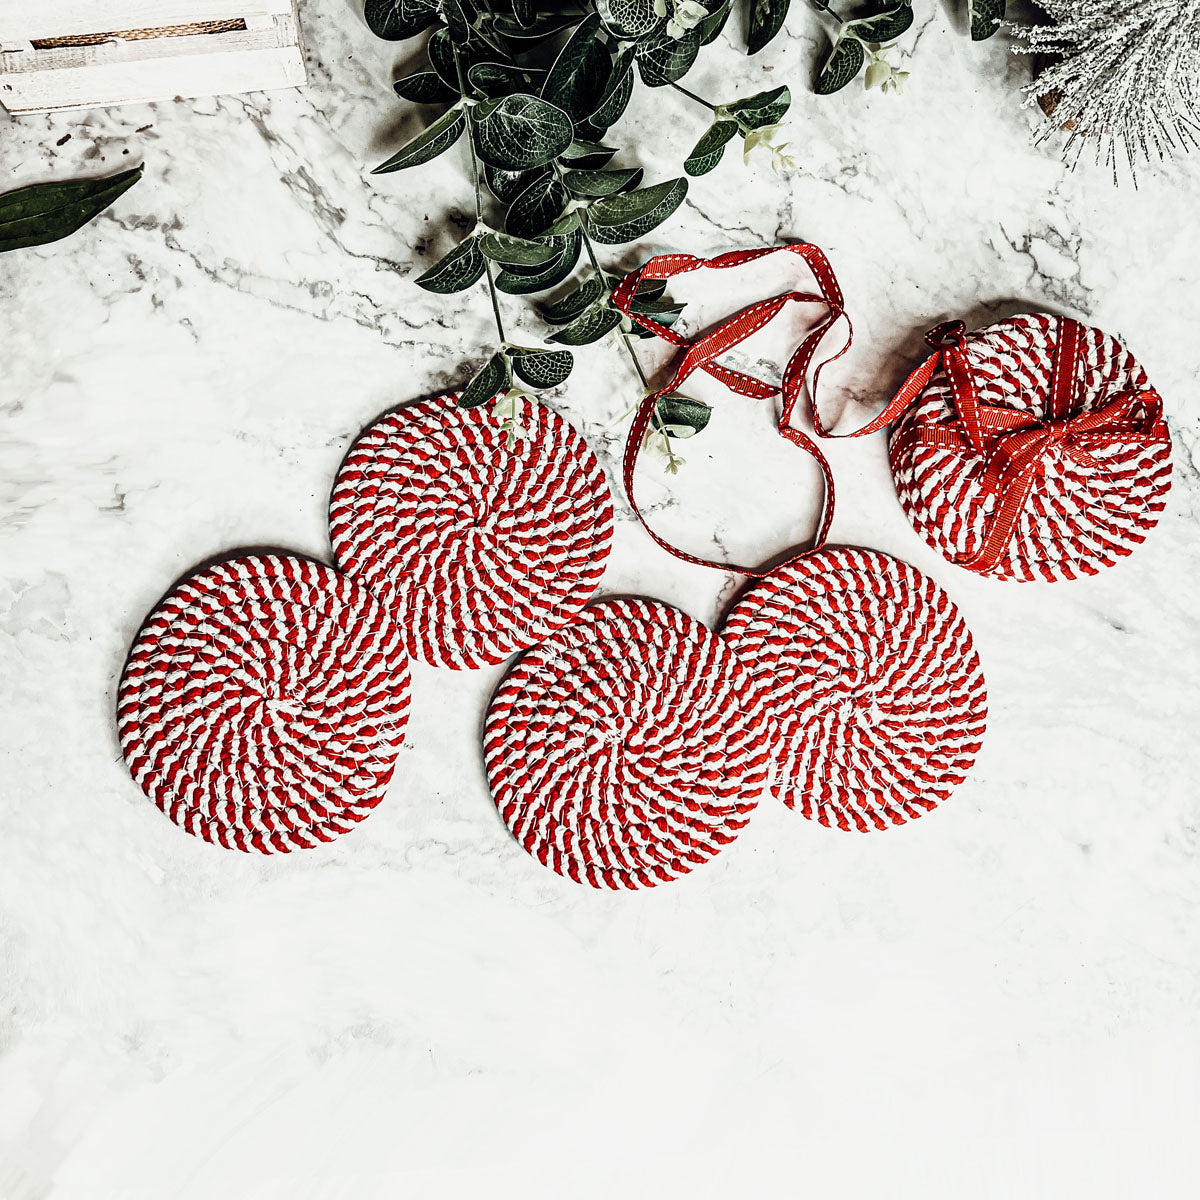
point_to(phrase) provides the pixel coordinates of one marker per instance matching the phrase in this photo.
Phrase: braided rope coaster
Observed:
(874, 688)
(263, 703)
(1060, 476)
(477, 549)
(628, 748)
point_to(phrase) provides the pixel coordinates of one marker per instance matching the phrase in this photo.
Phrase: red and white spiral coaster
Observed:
(1032, 449)
(263, 703)
(875, 692)
(478, 544)
(627, 749)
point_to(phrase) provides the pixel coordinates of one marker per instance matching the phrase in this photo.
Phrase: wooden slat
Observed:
(26, 20)
(157, 79)
(88, 76)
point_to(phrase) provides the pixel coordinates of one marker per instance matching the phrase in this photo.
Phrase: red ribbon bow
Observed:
(1016, 446)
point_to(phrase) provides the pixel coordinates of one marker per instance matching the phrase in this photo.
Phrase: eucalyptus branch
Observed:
(487, 266)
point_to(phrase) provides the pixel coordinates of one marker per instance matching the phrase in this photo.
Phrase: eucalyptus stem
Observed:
(673, 460)
(487, 262)
(692, 96)
(824, 8)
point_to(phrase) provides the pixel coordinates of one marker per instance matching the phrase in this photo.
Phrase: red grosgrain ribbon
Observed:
(701, 354)
(1014, 446)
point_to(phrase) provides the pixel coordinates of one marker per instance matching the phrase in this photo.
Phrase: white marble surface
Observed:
(997, 1001)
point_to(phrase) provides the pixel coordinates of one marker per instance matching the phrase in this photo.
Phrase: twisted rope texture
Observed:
(263, 704)
(629, 748)
(1077, 519)
(876, 697)
(476, 547)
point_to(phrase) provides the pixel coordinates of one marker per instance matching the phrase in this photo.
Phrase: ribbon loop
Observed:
(702, 354)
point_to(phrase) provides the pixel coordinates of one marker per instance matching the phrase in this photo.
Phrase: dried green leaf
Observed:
(629, 18)
(428, 144)
(395, 20)
(766, 20)
(518, 283)
(593, 184)
(506, 186)
(885, 26)
(581, 154)
(581, 71)
(540, 368)
(457, 271)
(711, 26)
(631, 215)
(663, 59)
(573, 305)
(683, 416)
(708, 150)
(40, 213)
(521, 131)
(516, 251)
(763, 108)
(590, 326)
(488, 382)
(536, 208)
(985, 18)
(616, 96)
(424, 87)
(844, 62)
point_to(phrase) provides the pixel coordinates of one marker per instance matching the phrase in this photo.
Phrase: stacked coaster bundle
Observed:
(874, 690)
(263, 703)
(479, 544)
(627, 749)
(1033, 449)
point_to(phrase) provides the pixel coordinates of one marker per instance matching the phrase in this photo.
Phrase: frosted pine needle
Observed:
(1125, 73)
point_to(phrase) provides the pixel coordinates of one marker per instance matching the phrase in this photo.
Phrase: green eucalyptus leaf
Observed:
(441, 49)
(457, 271)
(496, 79)
(649, 289)
(844, 62)
(573, 304)
(536, 208)
(428, 144)
(456, 19)
(567, 223)
(590, 326)
(40, 213)
(586, 154)
(711, 26)
(540, 368)
(395, 20)
(664, 59)
(631, 215)
(522, 131)
(683, 414)
(766, 20)
(424, 87)
(985, 15)
(543, 27)
(665, 312)
(592, 184)
(516, 251)
(616, 96)
(488, 382)
(763, 108)
(885, 26)
(506, 186)
(581, 71)
(708, 150)
(551, 275)
(629, 18)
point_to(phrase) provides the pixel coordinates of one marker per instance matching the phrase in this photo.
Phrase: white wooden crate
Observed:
(63, 54)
